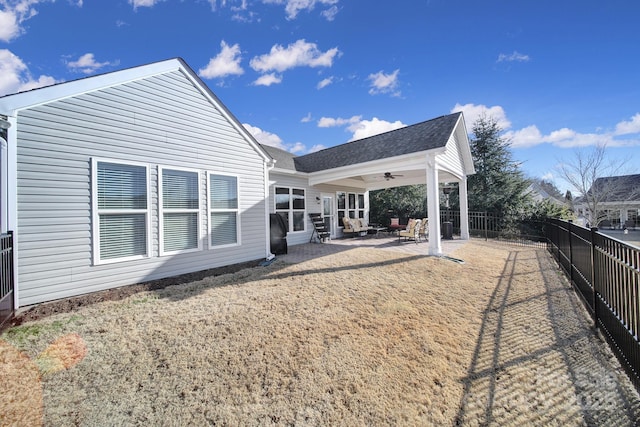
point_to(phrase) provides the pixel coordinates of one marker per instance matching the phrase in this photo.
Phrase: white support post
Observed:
(433, 207)
(464, 209)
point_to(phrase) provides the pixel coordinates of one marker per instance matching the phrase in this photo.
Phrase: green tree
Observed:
(403, 202)
(498, 185)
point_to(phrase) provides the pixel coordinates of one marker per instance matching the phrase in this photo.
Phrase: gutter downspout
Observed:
(268, 166)
(9, 198)
(4, 175)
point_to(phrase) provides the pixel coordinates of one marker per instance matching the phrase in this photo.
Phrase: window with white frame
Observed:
(179, 210)
(290, 205)
(352, 205)
(121, 206)
(342, 207)
(223, 210)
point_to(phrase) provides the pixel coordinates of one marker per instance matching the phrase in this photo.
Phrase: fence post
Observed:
(486, 234)
(570, 228)
(594, 280)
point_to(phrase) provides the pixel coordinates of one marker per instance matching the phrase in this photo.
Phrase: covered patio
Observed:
(432, 152)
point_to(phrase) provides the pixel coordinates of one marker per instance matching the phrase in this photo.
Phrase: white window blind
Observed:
(180, 210)
(223, 208)
(122, 210)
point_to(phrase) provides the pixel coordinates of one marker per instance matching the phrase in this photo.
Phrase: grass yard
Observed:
(357, 338)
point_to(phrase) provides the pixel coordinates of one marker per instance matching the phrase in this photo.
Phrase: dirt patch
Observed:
(359, 337)
(69, 305)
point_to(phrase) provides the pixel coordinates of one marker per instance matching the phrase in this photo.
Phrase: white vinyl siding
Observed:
(223, 210)
(179, 210)
(121, 202)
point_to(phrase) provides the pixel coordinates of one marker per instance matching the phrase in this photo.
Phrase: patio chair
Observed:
(412, 230)
(424, 229)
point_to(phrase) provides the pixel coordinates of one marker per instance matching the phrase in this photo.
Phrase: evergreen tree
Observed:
(403, 202)
(498, 185)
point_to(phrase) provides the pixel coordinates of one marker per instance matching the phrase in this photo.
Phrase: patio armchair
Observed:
(412, 230)
(424, 229)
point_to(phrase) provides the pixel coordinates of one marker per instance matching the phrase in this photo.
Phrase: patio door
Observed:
(327, 213)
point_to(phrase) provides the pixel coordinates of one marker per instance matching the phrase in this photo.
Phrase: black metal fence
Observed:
(6, 278)
(606, 273)
(492, 226)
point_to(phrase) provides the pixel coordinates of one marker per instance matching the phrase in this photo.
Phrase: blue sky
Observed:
(307, 74)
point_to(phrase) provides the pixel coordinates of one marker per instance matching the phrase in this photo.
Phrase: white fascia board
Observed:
(464, 145)
(288, 172)
(398, 163)
(11, 104)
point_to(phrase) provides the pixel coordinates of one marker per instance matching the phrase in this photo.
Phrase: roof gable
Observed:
(10, 105)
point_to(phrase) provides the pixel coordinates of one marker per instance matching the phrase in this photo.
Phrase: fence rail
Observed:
(488, 225)
(606, 273)
(6, 278)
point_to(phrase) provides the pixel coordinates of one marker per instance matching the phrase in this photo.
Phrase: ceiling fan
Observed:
(389, 175)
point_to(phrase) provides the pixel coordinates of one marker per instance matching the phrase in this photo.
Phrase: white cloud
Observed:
(226, 63)
(375, 126)
(15, 77)
(513, 57)
(87, 64)
(317, 147)
(268, 138)
(9, 26)
(384, 83)
(14, 14)
(293, 7)
(264, 137)
(306, 119)
(327, 122)
(143, 3)
(268, 80)
(472, 112)
(567, 138)
(325, 82)
(298, 54)
(361, 128)
(629, 127)
(330, 14)
(298, 148)
(531, 135)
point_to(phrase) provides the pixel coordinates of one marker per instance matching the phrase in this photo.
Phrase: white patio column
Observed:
(433, 207)
(464, 209)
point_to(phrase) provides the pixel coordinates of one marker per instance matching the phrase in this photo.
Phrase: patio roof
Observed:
(429, 152)
(401, 152)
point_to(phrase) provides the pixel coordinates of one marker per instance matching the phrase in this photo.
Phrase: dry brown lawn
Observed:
(357, 338)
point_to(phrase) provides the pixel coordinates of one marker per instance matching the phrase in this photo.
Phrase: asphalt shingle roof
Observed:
(284, 159)
(618, 188)
(422, 136)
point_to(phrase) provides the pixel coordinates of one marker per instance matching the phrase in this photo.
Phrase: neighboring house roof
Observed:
(539, 194)
(422, 136)
(622, 188)
(10, 105)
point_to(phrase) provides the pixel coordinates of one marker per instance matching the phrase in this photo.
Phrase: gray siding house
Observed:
(143, 173)
(129, 176)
